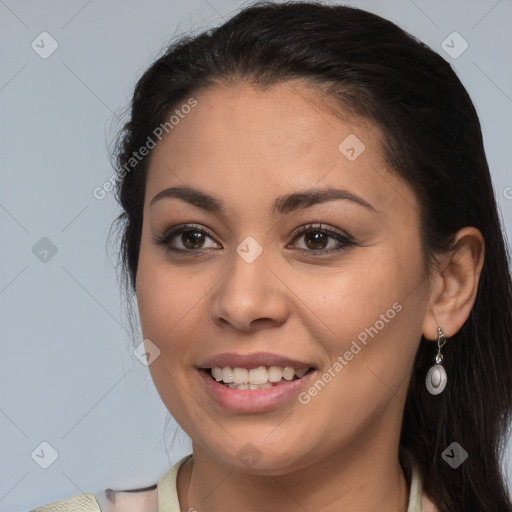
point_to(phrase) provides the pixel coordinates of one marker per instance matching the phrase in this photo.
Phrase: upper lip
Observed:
(253, 360)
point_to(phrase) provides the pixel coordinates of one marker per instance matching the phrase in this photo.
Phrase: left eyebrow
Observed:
(308, 198)
(282, 205)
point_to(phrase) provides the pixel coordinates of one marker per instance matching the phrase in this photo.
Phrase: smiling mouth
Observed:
(263, 377)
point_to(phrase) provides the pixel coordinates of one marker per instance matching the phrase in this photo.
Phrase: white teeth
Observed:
(227, 374)
(249, 386)
(258, 377)
(288, 373)
(239, 386)
(240, 376)
(275, 374)
(260, 386)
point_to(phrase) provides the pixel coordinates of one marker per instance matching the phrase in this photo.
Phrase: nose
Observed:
(250, 295)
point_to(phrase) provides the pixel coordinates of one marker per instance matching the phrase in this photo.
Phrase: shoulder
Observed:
(145, 499)
(80, 503)
(134, 500)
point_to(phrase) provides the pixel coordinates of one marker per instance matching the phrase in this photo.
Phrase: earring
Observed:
(436, 376)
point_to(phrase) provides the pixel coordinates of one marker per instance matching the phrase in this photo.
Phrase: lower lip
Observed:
(253, 400)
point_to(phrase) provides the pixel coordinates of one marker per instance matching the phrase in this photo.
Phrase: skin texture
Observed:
(246, 147)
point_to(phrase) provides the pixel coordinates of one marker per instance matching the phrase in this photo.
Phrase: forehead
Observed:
(288, 117)
(269, 141)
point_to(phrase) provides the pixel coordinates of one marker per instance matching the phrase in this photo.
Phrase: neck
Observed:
(347, 480)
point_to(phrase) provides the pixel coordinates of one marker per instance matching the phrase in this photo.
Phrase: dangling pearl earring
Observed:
(436, 376)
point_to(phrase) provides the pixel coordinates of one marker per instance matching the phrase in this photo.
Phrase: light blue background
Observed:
(68, 375)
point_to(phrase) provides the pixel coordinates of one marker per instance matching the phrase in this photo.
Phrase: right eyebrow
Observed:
(282, 205)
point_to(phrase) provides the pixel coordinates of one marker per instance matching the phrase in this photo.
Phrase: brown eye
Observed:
(183, 239)
(316, 239)
(192, 239)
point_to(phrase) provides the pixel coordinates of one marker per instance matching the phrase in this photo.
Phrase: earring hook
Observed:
(441, 341)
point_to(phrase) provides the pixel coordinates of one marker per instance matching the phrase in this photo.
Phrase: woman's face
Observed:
(346, 299)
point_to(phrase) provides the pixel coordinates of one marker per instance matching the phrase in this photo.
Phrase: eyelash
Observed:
(171, 233)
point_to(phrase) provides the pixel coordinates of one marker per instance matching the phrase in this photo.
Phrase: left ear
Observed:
(455, 284)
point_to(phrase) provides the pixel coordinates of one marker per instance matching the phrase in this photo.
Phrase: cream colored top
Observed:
(126, 501)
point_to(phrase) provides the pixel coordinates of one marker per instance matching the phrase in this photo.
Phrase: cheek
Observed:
(169, 299)
(369, 343)
(169, 302)
(350, 299)
(369, 314)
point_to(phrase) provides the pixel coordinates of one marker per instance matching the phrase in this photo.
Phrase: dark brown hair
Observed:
(432, 139)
